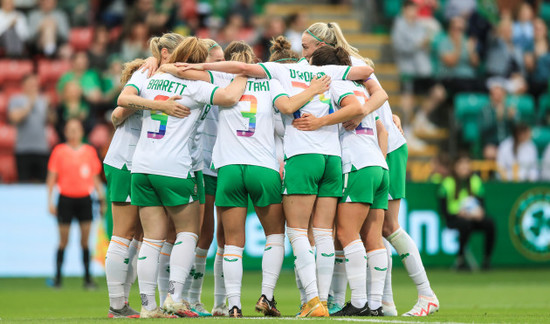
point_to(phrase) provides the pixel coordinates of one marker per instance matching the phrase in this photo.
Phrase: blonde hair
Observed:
(281, 51)
(239, 51)
(129, 68)
(210, 44)
(331, 34)
(190, 50)
(169, 41)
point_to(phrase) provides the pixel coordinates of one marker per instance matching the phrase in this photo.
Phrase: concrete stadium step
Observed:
(284, 9)
(346, 24)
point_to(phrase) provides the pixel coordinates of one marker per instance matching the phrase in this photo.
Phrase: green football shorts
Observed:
(397, 163)
(210, 185)
(157, 190)
(313, 174)
(368, 185)
(119, 183)
(200, 187)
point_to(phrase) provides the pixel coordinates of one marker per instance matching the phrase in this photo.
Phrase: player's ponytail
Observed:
(281, 51)
(191, 50)
(129, 68)
(326, 55)
(169, 41)
(239, 51)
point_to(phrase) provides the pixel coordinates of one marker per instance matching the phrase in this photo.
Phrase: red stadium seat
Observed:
(50, 71)
(3, 107)
(14, 70)
(100, 136)
(51, 135)
(81, 38)
(8, 168)
(8, 134)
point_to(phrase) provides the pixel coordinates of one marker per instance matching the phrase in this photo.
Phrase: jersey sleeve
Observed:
(336, 72)
(276, 90)
(137, 80)
(203, 92)
(339, 90)
(53, 163)
(274, 70)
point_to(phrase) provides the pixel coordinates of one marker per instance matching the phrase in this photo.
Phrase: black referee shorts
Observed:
(78, 208)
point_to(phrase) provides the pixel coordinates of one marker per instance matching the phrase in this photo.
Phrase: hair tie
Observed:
(211, 47)
(317, 38)
(329, 25)
(287, 59)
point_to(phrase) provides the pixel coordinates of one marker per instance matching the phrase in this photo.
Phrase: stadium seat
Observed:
(467, 110)
(8, 168)
(392, 8)
(49, 71)
(81, 38)
(543, 113)
(3, 107)
(525, 105)
(541, 137)
(13, 71)
(8, 134)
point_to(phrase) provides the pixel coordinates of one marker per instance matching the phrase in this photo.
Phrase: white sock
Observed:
(147, 270)
(305, 261)
(324, 260)
(303, 297)
(116, 270)
(181, 261)
(408, 252)
(388, 291)
(164, 271)
(188, 281)
(233, 274)
(197, 275)
(377, 268)
(339, 279)
(356, 272)
(219, 283)
(272, 261)
(133, 252)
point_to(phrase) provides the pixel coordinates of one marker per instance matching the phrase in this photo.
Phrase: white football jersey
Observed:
(295, 78)
(124, 141)
(360, 147)
(246, 130)
(395, 138)
(165, 141)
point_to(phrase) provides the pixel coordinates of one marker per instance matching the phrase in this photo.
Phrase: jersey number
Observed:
(161, 117)
(360, 130)
(250, 114)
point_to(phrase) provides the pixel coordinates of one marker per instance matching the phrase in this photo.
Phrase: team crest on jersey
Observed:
(530, 224)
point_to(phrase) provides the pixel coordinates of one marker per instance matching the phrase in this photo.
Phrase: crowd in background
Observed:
(71, 55)
(447, 48)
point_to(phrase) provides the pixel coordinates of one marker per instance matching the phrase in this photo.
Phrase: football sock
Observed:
(86, 263)
(147, 270)
(356, 272)
(272, 261)
(303, 297)
(116, 270)
(59, 265)
(339, 279)
(408, 252)
(219, 283)
(131, 276)
(233, 274)
(197, 275)
(324, 260)
(304, 260)
(388, 291)
(181, 262)
(377, 268)
(164, 271)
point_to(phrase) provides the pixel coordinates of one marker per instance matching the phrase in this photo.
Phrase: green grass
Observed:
(500, 296)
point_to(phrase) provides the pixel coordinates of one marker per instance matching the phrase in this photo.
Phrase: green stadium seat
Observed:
(545, 11)
(392, 8)
(525, 105)
(541, 137)
(543, 113)
(468, 105)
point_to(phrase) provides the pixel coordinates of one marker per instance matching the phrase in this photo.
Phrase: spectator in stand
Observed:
(135, 44)
(78, 10)
(462, 203)
(29, 112)
(87, 79)
(73, 106)
(111, 81)
(459, 8)
(144, 11)
(517, 158)
(426, 10)
(545, 165)
(523, 31)
(74, 168)
(295, 26)
(505, 60)
(245, 9)
(496, 120)
(14, 30)
(49, 27)
(274, 27)
(99, 51)
(458, 60)
(537, 60)
(441, 164)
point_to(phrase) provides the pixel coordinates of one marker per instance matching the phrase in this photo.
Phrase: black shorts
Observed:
(69, 208)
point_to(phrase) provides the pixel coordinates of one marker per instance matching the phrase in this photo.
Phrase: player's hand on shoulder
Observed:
(150, 65)
(320, 85)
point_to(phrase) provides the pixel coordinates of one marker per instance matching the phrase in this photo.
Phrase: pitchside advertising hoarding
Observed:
(28, 234)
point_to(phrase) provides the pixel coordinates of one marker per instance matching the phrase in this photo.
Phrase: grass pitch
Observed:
(499, 296)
